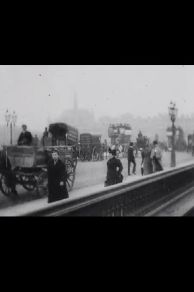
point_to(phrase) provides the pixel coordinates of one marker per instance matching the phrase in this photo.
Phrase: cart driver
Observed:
(25, 138)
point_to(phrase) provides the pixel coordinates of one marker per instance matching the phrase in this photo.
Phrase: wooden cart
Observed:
(29, 163)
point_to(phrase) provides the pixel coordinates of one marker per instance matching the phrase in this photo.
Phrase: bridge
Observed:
(167, 193)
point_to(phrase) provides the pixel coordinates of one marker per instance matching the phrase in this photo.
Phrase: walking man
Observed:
(131, 158)
(57, 176)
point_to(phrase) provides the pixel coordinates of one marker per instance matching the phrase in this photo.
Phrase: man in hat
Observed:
(131, 158)
(25, 138)
(57, 177)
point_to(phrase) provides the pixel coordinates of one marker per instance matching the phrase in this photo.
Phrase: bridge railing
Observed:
(126, 199)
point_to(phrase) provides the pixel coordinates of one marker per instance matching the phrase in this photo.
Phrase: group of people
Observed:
(151, 162)
(151, 158)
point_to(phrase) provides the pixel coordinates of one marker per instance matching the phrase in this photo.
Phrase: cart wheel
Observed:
(28, 183)
(70, 175)
(42, 184)
(6, 190)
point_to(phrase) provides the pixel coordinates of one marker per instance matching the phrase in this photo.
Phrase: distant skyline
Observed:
(42, 92)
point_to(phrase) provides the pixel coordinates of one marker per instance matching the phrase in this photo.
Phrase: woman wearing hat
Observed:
(57, 177)
(114, 169)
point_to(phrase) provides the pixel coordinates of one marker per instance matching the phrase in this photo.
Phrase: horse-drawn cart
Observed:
(90, 147)
(97, 148)
(29, 163)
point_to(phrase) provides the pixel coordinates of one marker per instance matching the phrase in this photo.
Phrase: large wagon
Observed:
(85, 151)
(120, 135)
(90, 147)
(29, 163)
(97, 148)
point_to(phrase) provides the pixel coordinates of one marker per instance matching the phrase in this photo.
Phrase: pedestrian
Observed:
(142, 155)
(114, 169)
(156, 156)
(136, 151)
(48, 140)
(45, 136)
(131, 158)
(57, 177)
(45, 133)
(146, 164)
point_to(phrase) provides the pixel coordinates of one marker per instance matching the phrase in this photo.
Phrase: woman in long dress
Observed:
(114, 169)
(156, 156)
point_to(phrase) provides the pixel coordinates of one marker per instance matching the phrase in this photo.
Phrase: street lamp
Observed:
(173, 113)
(11, 120)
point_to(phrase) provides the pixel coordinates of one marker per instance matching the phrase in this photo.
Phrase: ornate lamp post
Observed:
(173, 113)
(11, 121)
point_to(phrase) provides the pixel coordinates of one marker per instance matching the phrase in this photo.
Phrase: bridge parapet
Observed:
(126, 199)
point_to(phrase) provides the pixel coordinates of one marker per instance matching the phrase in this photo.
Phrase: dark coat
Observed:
(56, 174)
(25, 139)
(6, 169)
(157, 166)
(113, 175)
(156, 156)
(130, 155)
(146, 161)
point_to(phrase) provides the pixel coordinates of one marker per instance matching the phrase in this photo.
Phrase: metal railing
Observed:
(126, 199)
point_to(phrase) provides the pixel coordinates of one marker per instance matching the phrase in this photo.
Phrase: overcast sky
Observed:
(39, 92)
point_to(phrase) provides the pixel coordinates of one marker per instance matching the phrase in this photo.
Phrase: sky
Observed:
(41, 92)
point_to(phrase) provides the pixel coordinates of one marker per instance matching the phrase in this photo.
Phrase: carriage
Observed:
(90, 147)
(97, 148)
(29, 163)
(120, 135)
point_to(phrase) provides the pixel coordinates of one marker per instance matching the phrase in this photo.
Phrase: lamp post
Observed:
(11, 121)
(173, 113)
